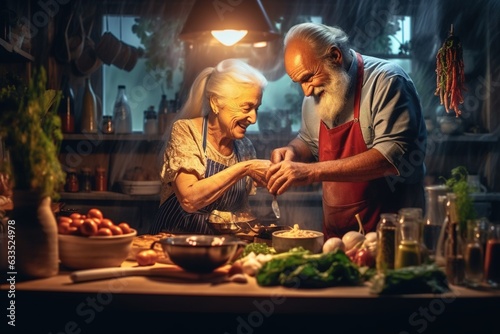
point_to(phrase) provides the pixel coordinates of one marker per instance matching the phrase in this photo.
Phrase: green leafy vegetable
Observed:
(298, 268)
(257, 248)
(410, 280)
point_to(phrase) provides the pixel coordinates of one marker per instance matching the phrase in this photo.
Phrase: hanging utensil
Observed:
(276, 208)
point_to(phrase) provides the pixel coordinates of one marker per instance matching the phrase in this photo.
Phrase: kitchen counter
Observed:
(137, 304)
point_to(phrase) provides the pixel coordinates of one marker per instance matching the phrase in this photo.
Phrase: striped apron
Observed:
(172, 218)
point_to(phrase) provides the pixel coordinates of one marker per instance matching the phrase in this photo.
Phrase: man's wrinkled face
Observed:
(328, 84)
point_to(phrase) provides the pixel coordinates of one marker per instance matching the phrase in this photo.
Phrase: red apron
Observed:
(343, 200)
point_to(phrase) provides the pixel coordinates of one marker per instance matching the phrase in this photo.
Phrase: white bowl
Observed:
(79, 252)
(312, 242)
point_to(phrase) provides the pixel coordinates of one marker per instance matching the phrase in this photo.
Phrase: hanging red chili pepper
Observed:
(450, 78)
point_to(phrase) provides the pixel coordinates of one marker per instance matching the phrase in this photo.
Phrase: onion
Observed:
(352, 238)
(333, 244)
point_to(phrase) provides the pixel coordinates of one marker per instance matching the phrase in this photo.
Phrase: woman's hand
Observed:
(257, 171)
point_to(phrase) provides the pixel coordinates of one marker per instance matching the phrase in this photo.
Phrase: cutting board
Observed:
(171, 271)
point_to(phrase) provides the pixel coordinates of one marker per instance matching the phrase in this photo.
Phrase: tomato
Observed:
(104, 232)
(75, 215)
(116, 230)
(89, 227)
(146, 257)
(95, 213)
(105, 222)
(63, 228)
(125, 228)
(77, 222)
(62, 219)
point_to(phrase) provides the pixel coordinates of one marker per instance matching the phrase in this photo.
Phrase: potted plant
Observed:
(459, 185)
(31, 134)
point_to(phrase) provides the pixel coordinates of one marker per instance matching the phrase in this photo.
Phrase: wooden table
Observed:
(144, 304)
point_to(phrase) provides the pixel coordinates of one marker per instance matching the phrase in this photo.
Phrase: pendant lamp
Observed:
(229, 22)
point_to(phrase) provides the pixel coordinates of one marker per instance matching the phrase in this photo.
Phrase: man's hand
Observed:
(285, 174)
(282, 154)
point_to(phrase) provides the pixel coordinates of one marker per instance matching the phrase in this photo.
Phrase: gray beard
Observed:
(331, 106)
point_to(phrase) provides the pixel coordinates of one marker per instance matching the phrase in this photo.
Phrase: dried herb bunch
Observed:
(31, 131)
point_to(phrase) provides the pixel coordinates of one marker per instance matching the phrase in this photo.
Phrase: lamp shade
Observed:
(237, 15)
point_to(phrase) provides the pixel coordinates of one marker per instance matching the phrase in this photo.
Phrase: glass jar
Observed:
(72, 184)
(386, 239)
(100, 179)
(474, 256)
(107, 124)
(150, 121)
(86, 180)
(409, 238)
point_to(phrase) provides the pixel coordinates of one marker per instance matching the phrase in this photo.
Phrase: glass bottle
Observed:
(408, 238)
(454, 253)
(122, 114)
(66, 109)
(89, 109)
(474, 256)
(434, 217)
(492, 257)
(150, 121)
(439, 257)
(386, 239)
(163, 114)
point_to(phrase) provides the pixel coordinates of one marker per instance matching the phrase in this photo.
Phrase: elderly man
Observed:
(362, 133)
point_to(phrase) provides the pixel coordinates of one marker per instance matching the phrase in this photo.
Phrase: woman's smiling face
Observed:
(236, 114)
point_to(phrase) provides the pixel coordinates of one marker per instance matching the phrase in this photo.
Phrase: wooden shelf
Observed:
(136, 136)
(11, 53)
(107, 196)
(465, 138)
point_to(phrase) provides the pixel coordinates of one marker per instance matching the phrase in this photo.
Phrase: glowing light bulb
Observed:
(229, 37)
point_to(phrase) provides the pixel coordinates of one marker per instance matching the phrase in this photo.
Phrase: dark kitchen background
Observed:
(46, 33)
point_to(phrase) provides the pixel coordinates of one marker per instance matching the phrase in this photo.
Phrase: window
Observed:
(143, 90)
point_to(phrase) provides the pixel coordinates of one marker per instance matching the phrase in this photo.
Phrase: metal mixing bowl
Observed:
(201, 253)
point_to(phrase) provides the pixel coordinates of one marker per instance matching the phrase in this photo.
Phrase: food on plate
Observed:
(93, 223)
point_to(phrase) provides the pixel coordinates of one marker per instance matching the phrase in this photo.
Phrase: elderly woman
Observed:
(208, 163)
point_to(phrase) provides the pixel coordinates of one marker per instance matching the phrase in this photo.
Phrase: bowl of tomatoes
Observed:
(90, 240)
